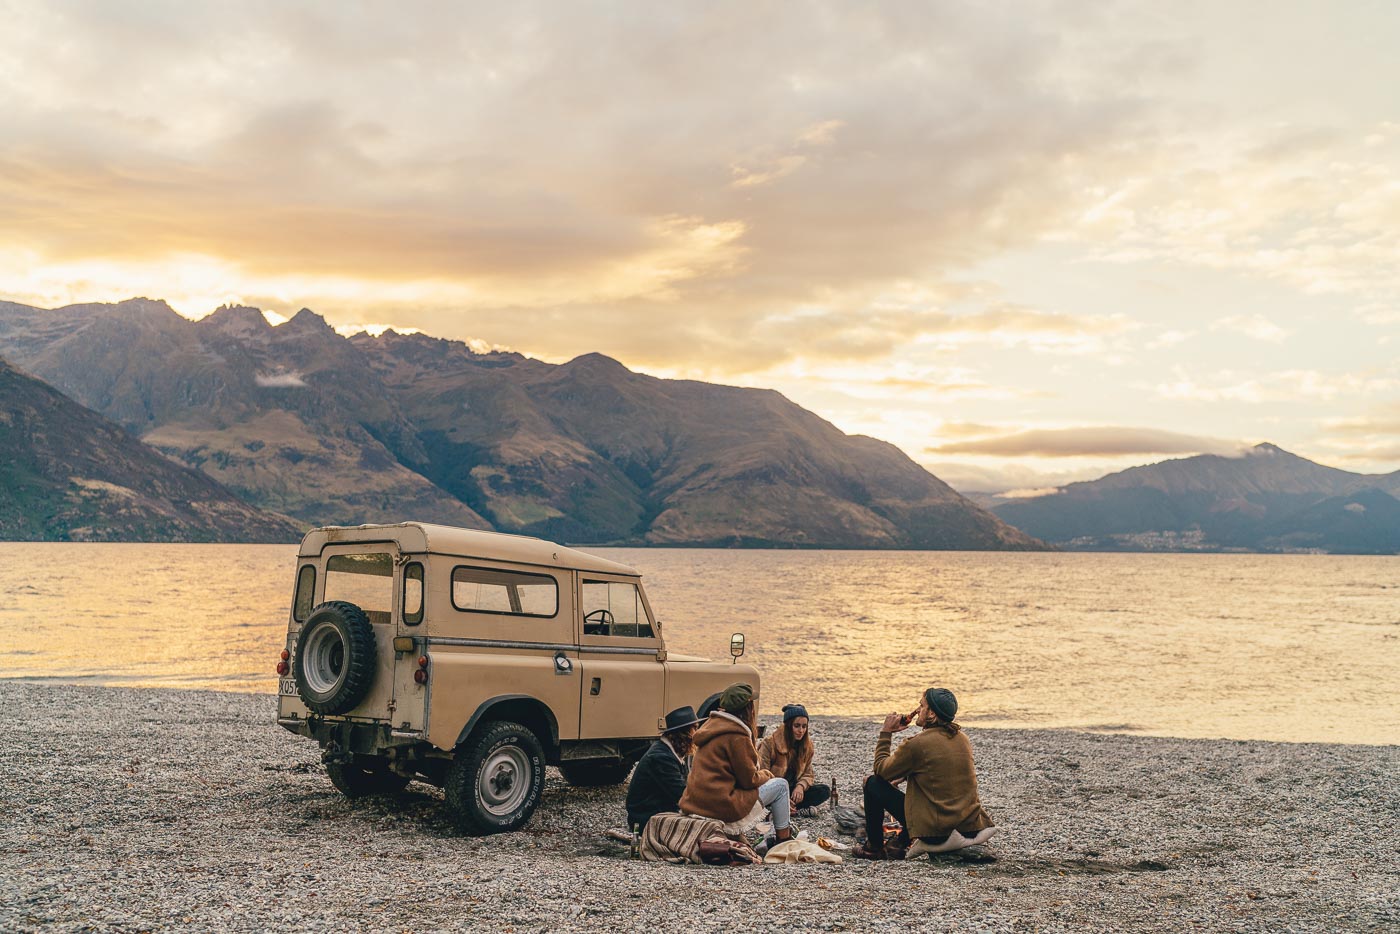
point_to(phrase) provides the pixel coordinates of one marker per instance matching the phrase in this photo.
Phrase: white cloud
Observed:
(279, 380)
(1282, 386)
(1100, 441)
(1169, 338)
(1255, 326)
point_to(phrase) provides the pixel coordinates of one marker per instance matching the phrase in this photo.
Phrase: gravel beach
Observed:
(140, 810)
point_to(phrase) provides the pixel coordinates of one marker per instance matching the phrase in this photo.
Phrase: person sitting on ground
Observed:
(725, 781)
(659, 779)
(788, 753)
(941, 808)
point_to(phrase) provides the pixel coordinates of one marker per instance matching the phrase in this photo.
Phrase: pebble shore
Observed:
(135, 810)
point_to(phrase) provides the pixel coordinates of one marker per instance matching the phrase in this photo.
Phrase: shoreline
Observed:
(162, 809)
(989, 724)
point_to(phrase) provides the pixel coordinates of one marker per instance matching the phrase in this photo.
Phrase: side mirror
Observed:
(736, 645)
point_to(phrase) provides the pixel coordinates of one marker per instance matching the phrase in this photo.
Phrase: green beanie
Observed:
(736, 697)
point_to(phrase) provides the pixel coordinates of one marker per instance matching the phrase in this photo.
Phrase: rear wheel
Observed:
(590, 772)
(365, 775)
(496, 778)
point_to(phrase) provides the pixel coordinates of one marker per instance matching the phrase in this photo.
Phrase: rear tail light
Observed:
(421, 675)
(281, 668)
(285, 655)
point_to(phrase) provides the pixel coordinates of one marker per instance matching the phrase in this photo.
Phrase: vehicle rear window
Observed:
(365, 580)
(509, 593)
(413, 594)
(306, 592)
(611, 608)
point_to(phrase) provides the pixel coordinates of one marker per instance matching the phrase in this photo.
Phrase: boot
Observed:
(784, 834)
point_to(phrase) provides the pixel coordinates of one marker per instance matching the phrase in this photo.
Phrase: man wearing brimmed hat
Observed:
(941, 808)
(659, 780)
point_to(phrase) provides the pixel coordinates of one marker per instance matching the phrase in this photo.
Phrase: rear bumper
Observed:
(355, 736)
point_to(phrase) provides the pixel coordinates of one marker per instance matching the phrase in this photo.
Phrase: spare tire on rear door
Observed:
(335, 658)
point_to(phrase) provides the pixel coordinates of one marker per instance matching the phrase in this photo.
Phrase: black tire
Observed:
(335, 658)
(588, 773)
(496, 779)
(710, 705)
(363, 776)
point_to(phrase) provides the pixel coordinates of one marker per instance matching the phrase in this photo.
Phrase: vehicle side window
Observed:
(508, 593)
(611, 608)
(413, 594)
(364, 580)
(306, 592)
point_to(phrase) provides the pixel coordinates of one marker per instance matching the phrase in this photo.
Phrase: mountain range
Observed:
(1266, 500)
(302, 421)
(67, 473)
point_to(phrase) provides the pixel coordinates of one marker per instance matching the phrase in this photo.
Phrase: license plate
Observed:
(287, 686)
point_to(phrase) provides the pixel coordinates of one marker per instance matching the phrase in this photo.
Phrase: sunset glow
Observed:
(1028, 243)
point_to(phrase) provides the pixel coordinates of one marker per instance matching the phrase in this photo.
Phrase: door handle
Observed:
(597, 687)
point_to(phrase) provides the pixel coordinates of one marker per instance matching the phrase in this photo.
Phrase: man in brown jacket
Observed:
(941, 807)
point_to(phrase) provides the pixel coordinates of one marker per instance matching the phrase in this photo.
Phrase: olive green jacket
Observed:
(942, 793)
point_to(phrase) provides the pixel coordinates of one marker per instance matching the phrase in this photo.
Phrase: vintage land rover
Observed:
(470, 660)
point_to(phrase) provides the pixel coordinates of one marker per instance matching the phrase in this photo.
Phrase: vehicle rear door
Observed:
(365, 574)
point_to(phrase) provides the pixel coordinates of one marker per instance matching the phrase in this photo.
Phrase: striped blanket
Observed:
(675, 838)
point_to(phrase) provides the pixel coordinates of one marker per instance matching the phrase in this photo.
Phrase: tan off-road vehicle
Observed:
(470, 660)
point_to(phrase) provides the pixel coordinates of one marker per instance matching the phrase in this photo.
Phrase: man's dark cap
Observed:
(942, 702)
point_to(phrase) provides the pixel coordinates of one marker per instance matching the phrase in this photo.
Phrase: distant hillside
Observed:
(1265, 500)
(327, 429)
(68, 474)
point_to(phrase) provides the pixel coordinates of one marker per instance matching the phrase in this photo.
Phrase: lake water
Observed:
(1296, 648)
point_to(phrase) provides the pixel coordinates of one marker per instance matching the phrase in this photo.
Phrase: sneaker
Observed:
(807, 812)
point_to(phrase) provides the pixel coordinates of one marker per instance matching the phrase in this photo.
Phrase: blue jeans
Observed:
(774, 795)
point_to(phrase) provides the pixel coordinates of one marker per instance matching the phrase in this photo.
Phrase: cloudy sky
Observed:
(1027, 242)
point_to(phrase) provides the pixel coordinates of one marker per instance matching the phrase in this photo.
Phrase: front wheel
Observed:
(708, 706)
(363, 776)
(496, 779)
(587, 773)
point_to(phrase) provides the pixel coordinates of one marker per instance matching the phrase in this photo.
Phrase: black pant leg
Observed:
(881, 797)
(815, 796)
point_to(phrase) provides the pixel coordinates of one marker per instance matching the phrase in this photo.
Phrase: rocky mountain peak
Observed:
(146, 311)
(241, 320)
(597, 363)
(308, 320)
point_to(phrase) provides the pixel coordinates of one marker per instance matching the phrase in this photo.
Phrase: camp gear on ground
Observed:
(675, 838)
(799, 851)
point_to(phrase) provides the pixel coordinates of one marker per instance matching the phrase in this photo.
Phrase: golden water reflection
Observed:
(1298, 648)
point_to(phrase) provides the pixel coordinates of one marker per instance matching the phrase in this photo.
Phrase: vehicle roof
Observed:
(423, 537)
